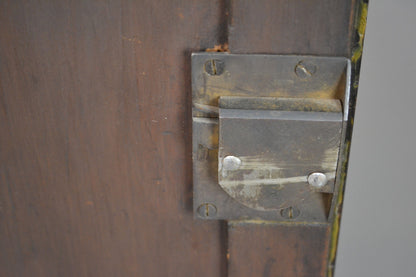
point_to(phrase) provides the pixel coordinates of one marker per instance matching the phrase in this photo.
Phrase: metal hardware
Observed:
(290, 213)
(267, 130)
(317, 179)
(214, 67)
(206, 210)
(277, 150)
(230, 163)
(305, 70)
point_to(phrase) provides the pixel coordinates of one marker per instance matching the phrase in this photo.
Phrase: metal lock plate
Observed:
(267, 132)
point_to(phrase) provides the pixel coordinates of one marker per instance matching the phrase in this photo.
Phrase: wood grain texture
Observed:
(95, 144)
(317, 27)
(267, 250)
(95, 135)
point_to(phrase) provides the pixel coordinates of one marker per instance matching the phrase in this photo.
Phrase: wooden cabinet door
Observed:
(95, 135)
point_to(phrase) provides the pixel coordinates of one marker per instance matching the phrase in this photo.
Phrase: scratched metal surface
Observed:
(278, 150)
(259, 85)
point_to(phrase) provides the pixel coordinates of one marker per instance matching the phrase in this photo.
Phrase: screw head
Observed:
(290, 213)
(305, 69)
(231, 163)
(214, 67)
(317, 179)
(207, 210)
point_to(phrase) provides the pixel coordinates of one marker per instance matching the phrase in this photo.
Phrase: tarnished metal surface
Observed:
(273, 128)
(277, 151)
(263, 76)
(280, 104)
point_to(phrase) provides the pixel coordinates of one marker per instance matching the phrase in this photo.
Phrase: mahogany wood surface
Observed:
(268, 250)
(95, 136)
(317, 27)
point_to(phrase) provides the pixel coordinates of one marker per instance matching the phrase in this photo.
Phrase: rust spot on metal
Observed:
(219, 48)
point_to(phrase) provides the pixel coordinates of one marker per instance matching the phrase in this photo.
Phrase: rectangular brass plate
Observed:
(262, 95)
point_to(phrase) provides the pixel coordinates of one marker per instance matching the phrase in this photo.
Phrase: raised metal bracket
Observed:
(267, 133)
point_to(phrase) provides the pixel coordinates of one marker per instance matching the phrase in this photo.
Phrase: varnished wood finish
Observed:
(268, 250)
(315, 27)
(318, 27)
(95, 137)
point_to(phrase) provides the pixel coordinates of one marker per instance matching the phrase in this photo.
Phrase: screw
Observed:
(207, 210)
(290, 213)
(231, 163)
(305, 69)
(317, 179)
(214, 67)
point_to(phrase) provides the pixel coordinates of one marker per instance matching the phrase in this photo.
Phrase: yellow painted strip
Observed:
(362, 22)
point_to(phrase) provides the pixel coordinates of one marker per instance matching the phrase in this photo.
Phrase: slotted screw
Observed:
(214, 67)
(305, 69)
(207, 210)
(290, 213)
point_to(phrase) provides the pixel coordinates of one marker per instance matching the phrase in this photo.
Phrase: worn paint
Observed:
(273, 81)
(213, 90)
(272, 222)
(278, 181)
(359, 26)
(247, 195)
(337, 217)
(270, 179)
(280, 104)
(201, 110)
(330, 158)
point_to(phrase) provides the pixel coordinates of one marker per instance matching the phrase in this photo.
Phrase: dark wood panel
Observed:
(318, 27)
(95, 156)
(267, 250)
